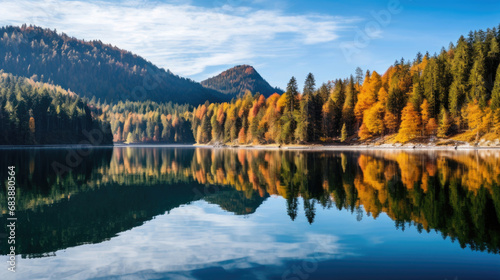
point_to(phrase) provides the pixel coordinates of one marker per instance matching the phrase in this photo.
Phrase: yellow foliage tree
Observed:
(242, 136)
(374, 119)
(496, 121)
(364, 133)
(382, 96)
(479, 121)
(431, 127)
(368, 95)
(391, 122)
(410, 124)
(425, 113)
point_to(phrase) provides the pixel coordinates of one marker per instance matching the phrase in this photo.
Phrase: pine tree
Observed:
(460, 69)
(292, 94)
(309, 85)
(304, 120)
(492, 59)
(430, 86)
(348, 116)
(359, 76)
(495, 94)
(287, 120)
(307, 111)
(477, 82)
(425, 114)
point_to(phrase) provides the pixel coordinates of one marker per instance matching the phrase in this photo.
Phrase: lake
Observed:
(201, 213)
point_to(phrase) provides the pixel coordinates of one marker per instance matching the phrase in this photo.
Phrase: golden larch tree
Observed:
(410, 124)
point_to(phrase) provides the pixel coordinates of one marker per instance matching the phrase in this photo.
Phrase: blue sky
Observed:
(198, 39)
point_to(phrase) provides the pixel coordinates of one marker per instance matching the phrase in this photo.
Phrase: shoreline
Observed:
(348, 147)
(54, 146)
(314, 147)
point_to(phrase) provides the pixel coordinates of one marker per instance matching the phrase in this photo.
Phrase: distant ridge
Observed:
(94, 69)
(239, 79)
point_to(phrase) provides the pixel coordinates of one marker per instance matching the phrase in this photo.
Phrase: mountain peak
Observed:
(238, 80)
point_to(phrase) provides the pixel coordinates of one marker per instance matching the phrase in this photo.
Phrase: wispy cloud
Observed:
(190, 237)
(181, 37)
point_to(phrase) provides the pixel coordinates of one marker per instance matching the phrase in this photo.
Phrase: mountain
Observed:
(92, 68)
(239, 79)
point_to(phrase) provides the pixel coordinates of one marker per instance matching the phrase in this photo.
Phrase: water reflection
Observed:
(114, 190)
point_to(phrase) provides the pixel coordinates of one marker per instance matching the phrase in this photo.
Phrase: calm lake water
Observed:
(199, 213)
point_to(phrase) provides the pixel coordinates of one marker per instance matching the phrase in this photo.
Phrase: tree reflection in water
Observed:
(454, 192)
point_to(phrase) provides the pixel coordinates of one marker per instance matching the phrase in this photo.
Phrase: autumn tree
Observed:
(410, 124)
(343, 133)
(368, 94)
(425, 114)
(475, 119)
(373, 119)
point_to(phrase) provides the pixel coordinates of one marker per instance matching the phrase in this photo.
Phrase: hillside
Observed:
(39, 113)
(239, 79)
(92, 68)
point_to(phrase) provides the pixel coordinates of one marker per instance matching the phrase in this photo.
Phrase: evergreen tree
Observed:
(291, 95)
(495, 94)
(348, 116)
(460, 69)
(445, 123)
(477, 82)
(287, 120)
(309, 85)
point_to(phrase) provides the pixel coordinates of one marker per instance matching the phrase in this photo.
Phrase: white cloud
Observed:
(181, 37)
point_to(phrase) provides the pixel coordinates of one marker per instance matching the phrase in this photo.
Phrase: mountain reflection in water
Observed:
(114, 190)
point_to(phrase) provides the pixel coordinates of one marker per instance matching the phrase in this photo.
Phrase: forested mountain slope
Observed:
(92, 68)
(39, 113)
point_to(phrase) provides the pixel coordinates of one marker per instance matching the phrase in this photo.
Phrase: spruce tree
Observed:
(477, 82)
(309, 85)
(460, 69)
(495, 94)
